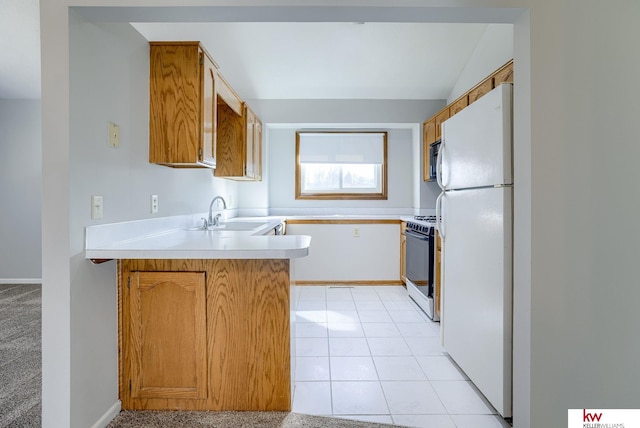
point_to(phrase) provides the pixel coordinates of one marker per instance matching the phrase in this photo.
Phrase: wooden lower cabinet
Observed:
(403, 253)
(204, 335)
(167, 313)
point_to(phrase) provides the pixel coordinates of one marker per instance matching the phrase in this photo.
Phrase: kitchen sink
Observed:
(238, 225)
(231, 226)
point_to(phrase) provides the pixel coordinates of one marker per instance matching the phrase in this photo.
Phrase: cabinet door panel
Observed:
(441, 117)
(458, 105)
(175, 84)
(250, 120)
(504, 75)
(168, 335)
(428, 137)
(230, 147)
(480, 90)
(257, 149)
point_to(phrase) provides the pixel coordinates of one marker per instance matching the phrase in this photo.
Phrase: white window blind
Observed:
(342, 148)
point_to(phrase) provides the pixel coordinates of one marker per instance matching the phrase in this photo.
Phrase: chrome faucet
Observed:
(215, 221)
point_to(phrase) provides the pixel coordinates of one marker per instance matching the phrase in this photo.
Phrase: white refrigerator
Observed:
(475, 206)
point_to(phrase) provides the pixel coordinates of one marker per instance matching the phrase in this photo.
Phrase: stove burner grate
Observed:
(429, 218)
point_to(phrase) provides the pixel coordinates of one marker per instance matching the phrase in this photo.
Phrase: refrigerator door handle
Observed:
(439, 223)
(439, 162)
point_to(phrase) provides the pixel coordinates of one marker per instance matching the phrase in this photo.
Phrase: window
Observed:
(341, 165)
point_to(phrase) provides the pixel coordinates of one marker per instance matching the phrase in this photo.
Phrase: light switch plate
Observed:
(154, 204)
(114, 135)
(96, 207)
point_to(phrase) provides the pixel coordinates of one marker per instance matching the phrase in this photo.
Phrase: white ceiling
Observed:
(266, 60)
(332, 60)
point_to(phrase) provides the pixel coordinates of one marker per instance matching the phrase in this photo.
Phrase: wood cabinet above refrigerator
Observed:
(431, 128)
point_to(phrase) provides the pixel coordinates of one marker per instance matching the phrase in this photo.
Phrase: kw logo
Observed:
(590, 417)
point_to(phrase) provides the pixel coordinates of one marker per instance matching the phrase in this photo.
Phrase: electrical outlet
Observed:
(356, 232)
(96, 207)
(230, 200)
(154, 204)
(114, 135)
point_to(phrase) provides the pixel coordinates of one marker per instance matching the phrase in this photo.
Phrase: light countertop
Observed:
(176, 239)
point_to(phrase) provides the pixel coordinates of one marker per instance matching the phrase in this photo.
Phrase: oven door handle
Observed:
(416, 235)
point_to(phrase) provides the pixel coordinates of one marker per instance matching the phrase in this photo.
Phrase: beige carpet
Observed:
(153, 419)
(20, 355)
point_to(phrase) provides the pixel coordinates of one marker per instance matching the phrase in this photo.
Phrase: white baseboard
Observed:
(109, 415)
(20, 280)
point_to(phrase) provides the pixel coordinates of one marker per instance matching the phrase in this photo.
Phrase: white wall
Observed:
(282, 143)
(109, 70)
(576, 132)
(584, 163)
(494, 49)
(522, 388)
(20, 191)
(408, 194)
(337, 255)
(345, 111)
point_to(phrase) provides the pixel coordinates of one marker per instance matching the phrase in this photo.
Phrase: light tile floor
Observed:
(369, 353)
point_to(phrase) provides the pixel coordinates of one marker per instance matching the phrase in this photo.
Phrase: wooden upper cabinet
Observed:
(239, 144)
(181, 108)
(230, 152)
(431, 129)
(484, 87)
(226, 95)
(257, 149)
(196, 118)
(440, 117)
(458, 105)
(504, 75)
(428, 137)
(249, 135)
(253, 136)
